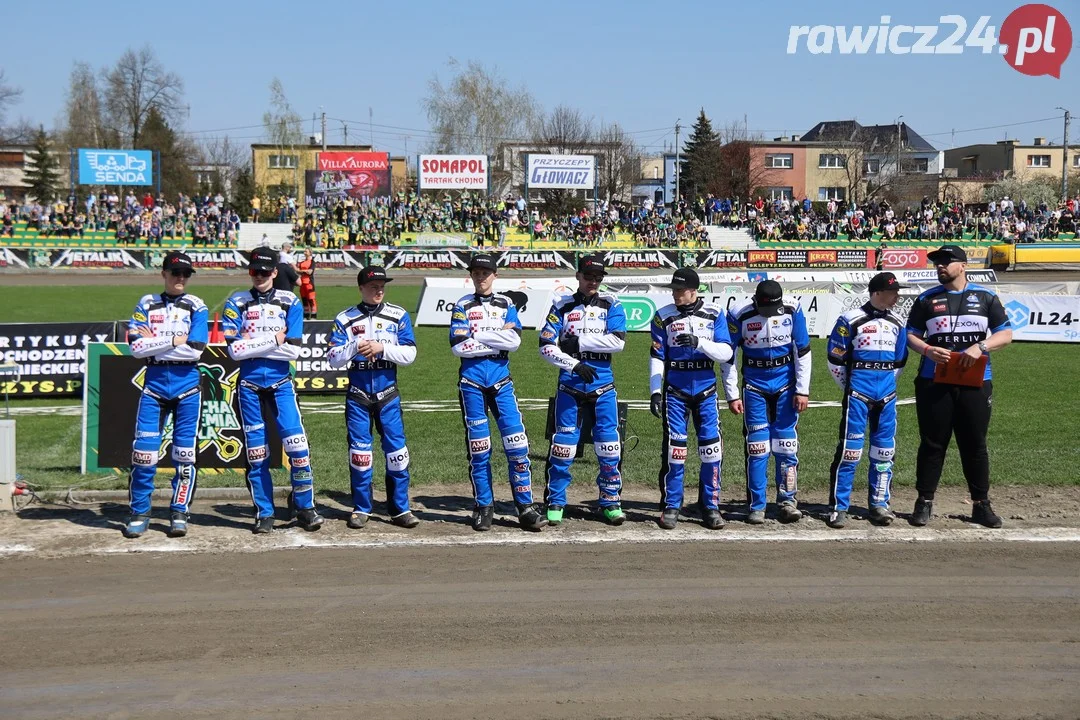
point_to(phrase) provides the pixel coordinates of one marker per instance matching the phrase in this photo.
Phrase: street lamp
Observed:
(898, 143)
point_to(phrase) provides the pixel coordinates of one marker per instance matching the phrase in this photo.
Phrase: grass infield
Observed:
(1032, 440)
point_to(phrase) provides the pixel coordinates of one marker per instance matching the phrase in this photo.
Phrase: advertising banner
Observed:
(537, 260)
(1043, 318)
(569, 172)
(453, 172)
(98, 259)
(202, 259)
(347, 174)
(807, 258)
(902, 259)
(313, 373)
(51, 356)
(115, 167)
(11, 258)
(109, 417)
(532, 296)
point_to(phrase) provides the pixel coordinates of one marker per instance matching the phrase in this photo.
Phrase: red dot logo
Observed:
(1036, 40)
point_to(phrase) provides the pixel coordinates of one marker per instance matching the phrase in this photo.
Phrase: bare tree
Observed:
(227, 159)
(82, 124)
(9, 95)
(619, 162)
(477, 110)
(284, 128)
(22, 131)
(137, 83)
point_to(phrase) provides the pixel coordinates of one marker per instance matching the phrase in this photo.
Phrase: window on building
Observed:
(872, 167)
(280, 162)
(830, 193)
(1076, 160)
(779, 193)
(915, 165)
(831, 161)
(1038, 161)
(783, 160)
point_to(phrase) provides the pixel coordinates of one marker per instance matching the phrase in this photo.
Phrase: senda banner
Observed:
(569, 172)
(356, 174)
(115, 167)
(453, 172)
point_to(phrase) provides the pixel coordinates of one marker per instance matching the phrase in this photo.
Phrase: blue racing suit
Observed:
(684, 375)
(479, 336)
(867, 352)
(373, 398)
(252, 321)
(170, 385)
(584, 330)
(775, 368)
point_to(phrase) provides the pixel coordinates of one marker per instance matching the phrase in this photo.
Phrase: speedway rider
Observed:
(867, 352)
(580, 335)
(484, 329)
(688, 336)
(263, 328)
(373, 339)
(776, 388)
(169, 330)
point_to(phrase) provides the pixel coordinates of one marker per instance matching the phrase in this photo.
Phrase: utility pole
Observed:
(677, 163)
(1065, 159)
(345, 128)
(324, 131)
(899, 141)
(371, 127)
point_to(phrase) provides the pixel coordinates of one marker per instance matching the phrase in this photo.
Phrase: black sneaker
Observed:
(712, 520)
(309, 519)
(481, 518)
(669, 518)
(837, 519)
(263, 526)
(406, 520)
(983, 514)
(881, 516)
(357, 520)
(178, 525)
(531, 518)
(921, 514)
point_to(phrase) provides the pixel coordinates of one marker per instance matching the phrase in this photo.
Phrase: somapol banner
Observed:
(453, 172)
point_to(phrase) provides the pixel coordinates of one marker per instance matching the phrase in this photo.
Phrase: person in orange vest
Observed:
(306, 268)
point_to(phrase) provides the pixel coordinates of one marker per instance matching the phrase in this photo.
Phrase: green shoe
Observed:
(614, 515)
(554, 514)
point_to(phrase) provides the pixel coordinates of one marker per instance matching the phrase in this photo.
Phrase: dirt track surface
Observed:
(580, 621)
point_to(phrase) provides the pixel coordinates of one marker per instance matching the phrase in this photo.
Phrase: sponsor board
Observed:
(347, 174)
(901, 258)
(414, 260)
(115, 167)
(536, 260)
(51, 356)
(570, 172)
(98, 259)
(807, 258)
(644, 259)
(453, 172)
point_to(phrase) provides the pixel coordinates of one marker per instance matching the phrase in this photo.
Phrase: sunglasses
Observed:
(261, 273)
(593, 278)
(181, 273)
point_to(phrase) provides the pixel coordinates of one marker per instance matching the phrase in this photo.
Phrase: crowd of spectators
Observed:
(204, 219)
(786, 219)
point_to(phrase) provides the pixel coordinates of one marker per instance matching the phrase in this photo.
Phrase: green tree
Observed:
(701, 160)
(243, 190)
(176, 155)
(42, 177)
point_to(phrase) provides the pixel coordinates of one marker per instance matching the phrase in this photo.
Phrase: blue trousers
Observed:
(570, 404)
(501, 402)
(152, 415)
(361, 415)
(861, 416)
(678, 409)
(769, 426)
(275, 403)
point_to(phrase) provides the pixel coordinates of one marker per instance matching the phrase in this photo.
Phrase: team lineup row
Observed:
(953, 326)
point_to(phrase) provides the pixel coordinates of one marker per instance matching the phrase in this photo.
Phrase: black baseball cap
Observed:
(483, 261)
(177, 260)
(769, 298)
(684, 279)
(947, 253)
(371, 273)
(592, 264)
(263, 258)
(885, 281)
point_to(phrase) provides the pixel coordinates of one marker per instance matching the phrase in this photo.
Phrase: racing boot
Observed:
(669, 518)
(308, 518)
(406, 520)
(712, 520)
(530, 518)
(357, 520)
(881, 516)
(554, 514)
(837, 519)
(982, 513)
(613, 515)
(178, 525)
(756, 517)
(136, 526)
(263, 526)
(482, 517)
(788, 513)
(921, 514)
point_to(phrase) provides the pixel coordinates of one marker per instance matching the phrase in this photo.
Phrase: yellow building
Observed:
(280, 171)
(1011, 158)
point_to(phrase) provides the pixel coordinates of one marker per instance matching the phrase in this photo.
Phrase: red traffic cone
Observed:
(217, 337)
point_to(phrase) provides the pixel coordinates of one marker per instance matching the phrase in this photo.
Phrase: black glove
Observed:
(687, 339)
(570, 344)
(584, 372)
(654, 404)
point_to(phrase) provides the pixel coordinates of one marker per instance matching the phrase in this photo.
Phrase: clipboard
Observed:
(951, 373)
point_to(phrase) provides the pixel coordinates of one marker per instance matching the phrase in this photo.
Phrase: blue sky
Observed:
(643, 64)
